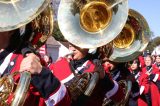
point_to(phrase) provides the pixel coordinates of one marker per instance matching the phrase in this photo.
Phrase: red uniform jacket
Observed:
(105, 88)
(53, 95)
(142, 63)
(148, 86)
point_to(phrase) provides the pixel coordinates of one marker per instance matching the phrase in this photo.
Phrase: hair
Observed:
(50, 59)
(157, 56)
(105, 51)
(135, 61)
(149, 57)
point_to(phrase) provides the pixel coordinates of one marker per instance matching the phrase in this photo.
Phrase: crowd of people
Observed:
(143, 72)
(145, 90)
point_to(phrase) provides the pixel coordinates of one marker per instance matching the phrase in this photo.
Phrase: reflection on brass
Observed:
(42, 27)
(18, 13)
(8, 1)
(7, 89)
(95, 16)
(91, 23)
(132, 40)
(125, 38)
(82, 84)
(105, 51)
(6, 86)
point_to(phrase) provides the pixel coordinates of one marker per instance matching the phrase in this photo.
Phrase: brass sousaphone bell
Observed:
(39, 15)
(91, 23)
(132, 40)
(16, 13)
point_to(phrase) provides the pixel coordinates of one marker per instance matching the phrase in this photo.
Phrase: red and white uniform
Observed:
(106, 87)
(141, 60)
(45, 89)
(148, 87)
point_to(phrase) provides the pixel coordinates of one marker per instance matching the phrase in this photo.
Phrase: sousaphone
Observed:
(132, 40)
(15, 14)
(91, 23)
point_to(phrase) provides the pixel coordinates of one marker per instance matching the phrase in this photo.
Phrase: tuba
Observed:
(129, 44)
(132, 40)
(39, 16)
(90, 24)
(98, 21)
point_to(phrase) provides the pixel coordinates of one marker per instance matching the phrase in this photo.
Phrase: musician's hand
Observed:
(148, 73)
(99, 68)
(31, 63)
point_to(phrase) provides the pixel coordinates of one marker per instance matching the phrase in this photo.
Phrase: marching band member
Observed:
(45, 88)
(157, 62)
(104, 53)
(149, 93)
(81, 62)
(135, 70)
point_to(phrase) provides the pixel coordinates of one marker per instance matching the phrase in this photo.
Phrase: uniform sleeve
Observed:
(59, 98)
(112, 88)
(154, 77)
(50, 88)
(144, 83)
(142, 63)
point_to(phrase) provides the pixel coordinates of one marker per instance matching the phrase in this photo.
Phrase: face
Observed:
(46, 58)
(148, 61)
(134, 66)
(158, 59)
(4, 39)
(109, 64)
(78, 53)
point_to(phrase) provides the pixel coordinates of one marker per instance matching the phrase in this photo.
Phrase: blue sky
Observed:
(150, 9)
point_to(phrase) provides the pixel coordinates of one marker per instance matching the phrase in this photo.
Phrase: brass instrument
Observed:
(132, 40)
(90, 24)
(16, 13)
(98, 21)
(82, 84)
(7, 85)
(41, 25)
(126, 85)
